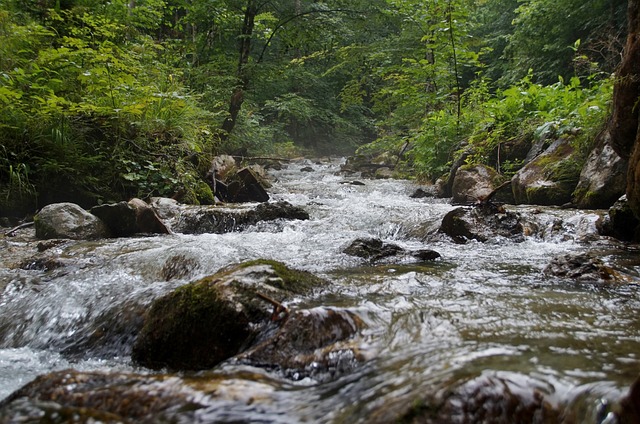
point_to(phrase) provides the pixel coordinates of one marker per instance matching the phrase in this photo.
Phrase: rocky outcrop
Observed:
(473, 183)
(203, 323)
(603, 178)
(550, 179)
(68, 221)
(483, 222)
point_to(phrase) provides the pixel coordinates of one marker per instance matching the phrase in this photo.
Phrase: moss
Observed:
(292, 280)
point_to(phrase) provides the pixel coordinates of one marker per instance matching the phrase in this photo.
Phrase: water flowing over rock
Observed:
(603, 179)
(582, 268)
(374, 250)
(482, 223)
(203, 323)
(549, 179)
(68, 221)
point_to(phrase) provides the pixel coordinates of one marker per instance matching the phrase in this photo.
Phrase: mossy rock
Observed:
(201, 324)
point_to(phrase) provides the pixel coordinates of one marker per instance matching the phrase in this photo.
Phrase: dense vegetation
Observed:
(103, 100)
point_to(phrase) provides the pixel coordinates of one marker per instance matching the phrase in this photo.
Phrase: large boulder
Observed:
(68, 221)
(203, 323)
(119, 217)
(473, 183)
(483, 222)
(549, 179)
(603, 179)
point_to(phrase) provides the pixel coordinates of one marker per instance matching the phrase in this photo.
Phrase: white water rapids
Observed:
(481, 308)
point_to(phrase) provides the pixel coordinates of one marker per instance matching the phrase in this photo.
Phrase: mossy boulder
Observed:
(550, 179)
(203, 323)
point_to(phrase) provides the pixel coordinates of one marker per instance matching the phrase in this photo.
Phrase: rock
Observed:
(203, 323)
(629, 412)
(426, 255)
(310, 341)
(372, 249)
(72, 396)
(306, 169)
(421, 193)
(482, 223)
(550, 179)
(603, 179)
(445, 184)
(245, 187)
(165, 208)
(582, 268)
(494, 397)
(383, 173)
(222, 166)
(621, 222)
(147, 220)
(119, 217)
(474, 183)
(220, 219)
(68, 221)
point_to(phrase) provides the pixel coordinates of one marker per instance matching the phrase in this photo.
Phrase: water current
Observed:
(482, 309)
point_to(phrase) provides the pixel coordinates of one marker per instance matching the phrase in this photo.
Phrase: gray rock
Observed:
(603, 179)
(119, 217)
(621, 222)
(68, 221)
(474, 183)
(482, 223)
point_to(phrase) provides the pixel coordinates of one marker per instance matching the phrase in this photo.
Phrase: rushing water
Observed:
(482, 309)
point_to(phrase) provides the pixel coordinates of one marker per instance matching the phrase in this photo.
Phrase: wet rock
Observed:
(550, 179)
(474, 183)
(72, 396)
(245, 187)
(482, 222)
(383, 173)
(372, 249)
(421, 193)
(603, 178)
(355, 183)
(178, 266)
(68, 221)
(165, 208)
(147, 221)
(498, 398)
(629, 412)
(306, 169)
(120, 218)
(582, 268)
(41, 264)
(426, 255)
(621, 222)
(221, 219)
(310, 341)
(203, 323)
(222, 166)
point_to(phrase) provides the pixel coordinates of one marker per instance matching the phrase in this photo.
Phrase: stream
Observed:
(482, 310)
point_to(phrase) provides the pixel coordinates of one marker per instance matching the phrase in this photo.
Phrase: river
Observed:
(481, 310)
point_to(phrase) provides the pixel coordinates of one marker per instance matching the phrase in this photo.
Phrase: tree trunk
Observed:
(244, 49)
(623, 125)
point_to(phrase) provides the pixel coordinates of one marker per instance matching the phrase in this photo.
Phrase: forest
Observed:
(107, 100)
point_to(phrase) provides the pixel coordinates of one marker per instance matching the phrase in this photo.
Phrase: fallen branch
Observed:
(279, 310)
(488, 197)
(11, 232)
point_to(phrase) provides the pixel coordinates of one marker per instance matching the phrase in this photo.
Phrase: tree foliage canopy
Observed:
(103, 100)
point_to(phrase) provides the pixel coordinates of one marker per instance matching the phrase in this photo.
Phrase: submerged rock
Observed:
(68, 221)
(310, 342)
(498, 398)
(482, 223)
(582, 268)
(203, 323)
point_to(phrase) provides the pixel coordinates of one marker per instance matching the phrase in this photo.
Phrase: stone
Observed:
(621, 222)
(147, 220)
(119, 217)
(473, 183)
(245, 187)
(310, 342)
(603, 178)
(549, 179)
(68, 221)
(629, 412)
(201, 324)
(582, 268)
(372, 249)
(482, 222)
